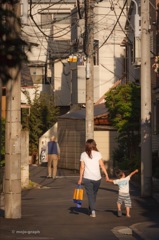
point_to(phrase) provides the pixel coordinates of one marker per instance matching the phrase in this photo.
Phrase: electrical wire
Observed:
(129, 41)
(53, 22)
(114, 25)
(117, 22)
(46, 35)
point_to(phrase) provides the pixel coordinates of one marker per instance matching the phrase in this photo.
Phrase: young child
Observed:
(124, 195)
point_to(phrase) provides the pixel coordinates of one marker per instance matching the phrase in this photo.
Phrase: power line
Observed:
(54, 21)
(120, 24)
(114, 25)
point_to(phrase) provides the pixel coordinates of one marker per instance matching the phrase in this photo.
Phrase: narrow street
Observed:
(48, 212)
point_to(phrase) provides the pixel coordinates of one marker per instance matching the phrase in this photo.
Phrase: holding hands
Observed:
(107, 178)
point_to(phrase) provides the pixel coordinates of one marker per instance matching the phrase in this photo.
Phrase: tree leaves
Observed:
(123, 104)
(11, 44)
(43, 115)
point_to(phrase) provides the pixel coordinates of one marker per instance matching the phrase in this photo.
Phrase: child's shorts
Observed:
(124, 198)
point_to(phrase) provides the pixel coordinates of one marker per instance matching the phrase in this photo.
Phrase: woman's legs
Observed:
(96, 187)
(91, 187)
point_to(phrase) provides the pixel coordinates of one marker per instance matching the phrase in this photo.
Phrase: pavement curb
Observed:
(137, 233)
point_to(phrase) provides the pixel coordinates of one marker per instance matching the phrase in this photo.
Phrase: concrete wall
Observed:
(106, 143)
(24, 158)
(62, 85)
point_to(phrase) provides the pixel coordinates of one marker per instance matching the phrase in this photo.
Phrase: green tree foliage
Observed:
(43, 115)
(12, 54)
(124, 108)
(11, 44)
(123, 103)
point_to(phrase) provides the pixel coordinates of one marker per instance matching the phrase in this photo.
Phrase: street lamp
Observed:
(137, 45)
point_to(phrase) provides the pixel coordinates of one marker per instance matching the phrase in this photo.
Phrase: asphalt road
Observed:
(48, 212)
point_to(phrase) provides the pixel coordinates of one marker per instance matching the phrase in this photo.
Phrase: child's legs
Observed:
(127, 211)
(118, 206)
(127, 202)
(119, 202)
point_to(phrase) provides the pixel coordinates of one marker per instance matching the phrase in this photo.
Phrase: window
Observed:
(37, 74)
(46, 20)
(61, 18)
(50, 18)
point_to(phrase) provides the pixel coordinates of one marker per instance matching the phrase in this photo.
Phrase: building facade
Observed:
(57, 63)
(132, 46)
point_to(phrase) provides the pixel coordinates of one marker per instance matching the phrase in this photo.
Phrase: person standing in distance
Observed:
(53, 157)
(91, 161)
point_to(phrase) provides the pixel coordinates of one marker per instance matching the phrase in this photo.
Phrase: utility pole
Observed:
(0, 117)
(146, 148)
(89, 49)
(12, 181)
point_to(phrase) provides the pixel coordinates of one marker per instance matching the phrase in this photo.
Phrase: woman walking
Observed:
(91, 161)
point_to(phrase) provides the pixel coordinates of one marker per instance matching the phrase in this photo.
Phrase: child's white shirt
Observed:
(123, 184)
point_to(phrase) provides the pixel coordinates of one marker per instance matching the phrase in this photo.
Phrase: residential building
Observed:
(155, 79)
(57, 60)
(132, 46)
